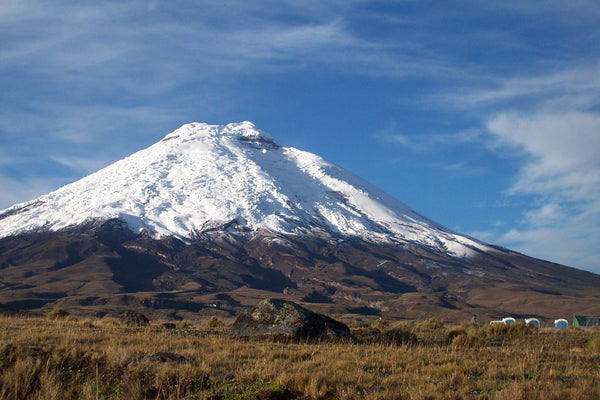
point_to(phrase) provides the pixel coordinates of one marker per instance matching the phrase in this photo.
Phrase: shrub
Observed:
(396, 337)
(132, 318)
(404, 325)
(594, 344)
(58, 313)
(168, 325)
(466, 341)
(183, 324)
(454, 333)
(519, 329)
(365, 334)
(215, 323)
(358, 324)
(465, 336)
(380, 323)
(88, 324)
(430, 324)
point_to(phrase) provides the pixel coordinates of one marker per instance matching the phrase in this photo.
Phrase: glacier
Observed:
(233, 177)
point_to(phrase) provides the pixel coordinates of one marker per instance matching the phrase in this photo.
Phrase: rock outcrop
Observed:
(282, 318)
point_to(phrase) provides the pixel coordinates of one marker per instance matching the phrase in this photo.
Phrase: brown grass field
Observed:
(69, 358)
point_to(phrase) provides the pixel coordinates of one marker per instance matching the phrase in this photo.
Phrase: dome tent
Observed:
(561, 323)
(532, 321)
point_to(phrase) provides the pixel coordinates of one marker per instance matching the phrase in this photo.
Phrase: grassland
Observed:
(67, 358)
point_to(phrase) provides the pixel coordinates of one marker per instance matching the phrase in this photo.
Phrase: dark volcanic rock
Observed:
(276, 317)
(133, 318)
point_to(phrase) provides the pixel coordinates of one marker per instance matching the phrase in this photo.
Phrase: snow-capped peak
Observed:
(203, 177)
(244, 131)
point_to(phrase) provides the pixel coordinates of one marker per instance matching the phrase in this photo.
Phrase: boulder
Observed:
(133, 318)
(282, 318)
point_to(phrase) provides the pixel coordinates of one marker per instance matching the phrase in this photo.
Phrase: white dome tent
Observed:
(532, 321)
(561, 323)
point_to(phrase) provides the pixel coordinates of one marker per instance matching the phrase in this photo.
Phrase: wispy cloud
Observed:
(561, 168)
(572, 88)
(569, 243)
(91, 44)
(426, 142)
(562, 150)
(548, 124)
(463, 168)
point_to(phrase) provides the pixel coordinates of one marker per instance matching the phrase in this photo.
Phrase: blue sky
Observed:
(481, 115)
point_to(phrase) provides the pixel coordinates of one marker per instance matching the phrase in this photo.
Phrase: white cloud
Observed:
(560, 155)
(569, 243)
(548, 214)
(554, 139)
(562, 150)
(548, 124)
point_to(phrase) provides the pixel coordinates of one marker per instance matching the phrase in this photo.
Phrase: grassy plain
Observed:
(67, 358)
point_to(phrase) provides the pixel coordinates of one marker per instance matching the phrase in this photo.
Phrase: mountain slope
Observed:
(106, 269)
(212, 218)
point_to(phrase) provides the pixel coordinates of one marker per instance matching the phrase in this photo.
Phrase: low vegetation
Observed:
(66, 358)
(58, 313)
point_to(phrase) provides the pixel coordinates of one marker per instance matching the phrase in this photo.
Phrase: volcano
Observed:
(213, 217)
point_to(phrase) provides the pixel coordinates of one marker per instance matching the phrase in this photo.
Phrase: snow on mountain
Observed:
(235, 177)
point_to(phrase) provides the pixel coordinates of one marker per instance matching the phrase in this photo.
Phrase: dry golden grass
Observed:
(42, 358)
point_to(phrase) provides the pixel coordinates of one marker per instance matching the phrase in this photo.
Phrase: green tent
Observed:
(580, 321)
